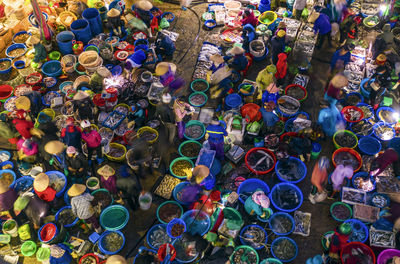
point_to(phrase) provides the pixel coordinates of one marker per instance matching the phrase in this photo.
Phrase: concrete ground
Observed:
(187, 24)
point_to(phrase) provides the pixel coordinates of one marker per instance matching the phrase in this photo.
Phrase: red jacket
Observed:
(92, 138)
(23, 127)
(281, 66)
(47, 195)
(251, 19)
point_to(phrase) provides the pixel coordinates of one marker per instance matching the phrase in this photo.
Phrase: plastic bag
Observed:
(164, 23)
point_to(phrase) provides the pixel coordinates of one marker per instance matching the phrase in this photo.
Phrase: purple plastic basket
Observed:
(387, 254)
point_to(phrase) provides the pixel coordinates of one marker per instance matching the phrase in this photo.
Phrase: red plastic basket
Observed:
(88, 255)
(348, 248)
(344, 113)
(251, 110)
(162, 252)
(265, 150)
(34, 74)
(351, 151)
(297, 85)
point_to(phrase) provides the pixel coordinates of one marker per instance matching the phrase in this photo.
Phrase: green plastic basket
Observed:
(114, 217)
(323, 239)
(168, 202)
(271, 261)
(195, 122)
(337, 144)
(199, 80)
(43, 254)
(340, 203)
(28, 248)
(176, 160)
(245, 248)
(186, 142)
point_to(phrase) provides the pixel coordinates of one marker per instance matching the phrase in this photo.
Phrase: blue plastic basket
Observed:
(173, 222)
(302, 113)
(62, 209)
(360, 135)
(387, 108)
(20, 33)
(370, 108)
(13, 47)
(233, 101)
(23, 184)
(109, 116)
(284, 186)
(278, 240)
(358, 228)
(153, 229)
(101, 242)
(61, 175)
(63, 84)
(177, 189)
(12, 173)
(364, 82)
(364, 175)
(52, 68)
(301, 167)
(166, 13)
(6, 71)
(44, 102)
(281, 214)
(357, 94)
(196, 222)
(386, 204)
(369, 145)
(7, 162)
(250, 186)
(289, 125)
(387, 125)
(253, 89)
(248, 243)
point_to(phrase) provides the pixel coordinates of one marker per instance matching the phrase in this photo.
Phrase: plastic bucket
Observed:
(382, 196)
(337, 143)
(359, 248)
(81, 30)
(10, 172)
(10, 227)
(103, 247)
(247, 240)
(233, 101)
(387, 254)
(364, 132)
(278, 240)
(169, 203)
(159, 228)
(365, 92)
(356, 94)
(342, 204)
(114, 217)
(64, 41)
(358, 227)
(284, 187)
(273, 219)
(28, 248)
(301, 169)
(58, 216)
(316, 150)
(23, 184)
(250, 186)
(197, 222)
(186, 142)
(92, 15)
(51, 233)
(264, 6)
(145, 201)
(248, 96)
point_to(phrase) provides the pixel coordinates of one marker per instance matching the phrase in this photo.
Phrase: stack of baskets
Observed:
(90, 60)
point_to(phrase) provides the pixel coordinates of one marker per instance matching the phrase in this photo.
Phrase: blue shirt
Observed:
(216, 133)
(269, 118)
(322, 25)
(239, 62)
(337, 57)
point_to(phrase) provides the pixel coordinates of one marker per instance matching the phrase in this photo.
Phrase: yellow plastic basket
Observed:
(117, 159)
(48, 111)
(148, 129)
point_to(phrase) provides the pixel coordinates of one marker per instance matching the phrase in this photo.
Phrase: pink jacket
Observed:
(92, 138)
(180, 110)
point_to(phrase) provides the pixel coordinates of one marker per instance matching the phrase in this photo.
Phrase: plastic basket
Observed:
(246, 248)
(387, 254)
(10, 172)
(23, 184)
(287, 111)
(277, 240)
(172, 223)
(233, 101)
(58, 215)
(369, 145)
(268, 17)
(195, 94)
(356, 247)
(197, 222)
(285, 215)
(117, 159)
(357, 226)
(260, 149)
(362, 122)
(301, 87)
(337, 144)
(301, 168)
(186, 142)
(28, 248)
(386, 108)
(244, 240)
(344, 204)
(102, 246)
(271, 261)
(383, 196)
(150, 130)
(351, 151)
(150, 233)
(176, 160)
(114, 217)
(175, 193)
(355, 108)
(202, 81)
(370, 108)
(357, 94)
(364, 175)
(16, 46)
(250, 186)
(60, 175)
(381, 124)
(5, 92)
(52, 68)
(191, 123)
(168, 13)
(165, 203)
(277, 190)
